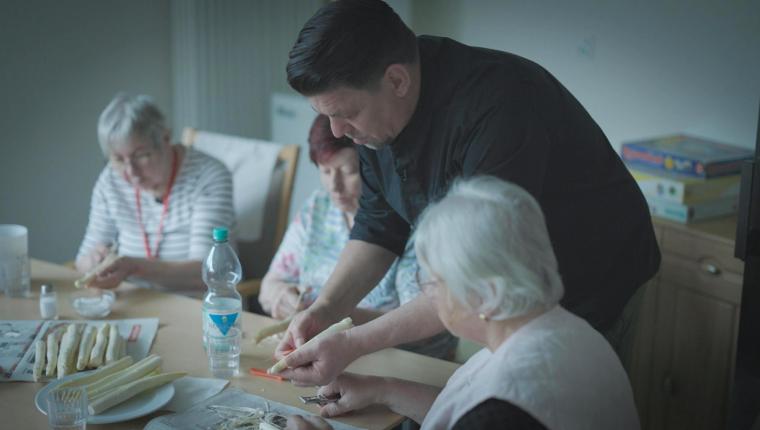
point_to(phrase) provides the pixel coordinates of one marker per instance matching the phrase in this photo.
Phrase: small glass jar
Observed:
(48, 302)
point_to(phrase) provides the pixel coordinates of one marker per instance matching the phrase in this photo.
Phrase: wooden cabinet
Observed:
(683, 360)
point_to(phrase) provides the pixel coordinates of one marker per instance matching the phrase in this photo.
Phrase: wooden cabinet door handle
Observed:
(711, 268)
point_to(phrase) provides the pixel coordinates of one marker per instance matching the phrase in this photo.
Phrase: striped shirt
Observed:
(200, 200)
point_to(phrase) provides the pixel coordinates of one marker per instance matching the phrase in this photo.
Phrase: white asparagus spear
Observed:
(52, 351)
(99, 349)
(68, 353)
(270, 330)
(136, 371)
(39, 359)
(99, 374)
(106, 380)
(89, 276)
(130, 390)
(114, 341)
(283, 325)
(344, 324)
(154, 372)
(85, 347)
(122, 348)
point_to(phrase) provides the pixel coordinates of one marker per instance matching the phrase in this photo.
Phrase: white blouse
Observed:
(556, 367)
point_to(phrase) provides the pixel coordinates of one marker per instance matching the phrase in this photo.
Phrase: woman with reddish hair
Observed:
(315, 238)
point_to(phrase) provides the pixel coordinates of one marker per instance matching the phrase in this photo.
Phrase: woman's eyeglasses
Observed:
(139, 159)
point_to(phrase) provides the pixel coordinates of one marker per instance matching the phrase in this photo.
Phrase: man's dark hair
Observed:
(349, 43)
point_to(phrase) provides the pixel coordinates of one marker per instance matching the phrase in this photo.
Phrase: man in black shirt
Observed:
(425, 110)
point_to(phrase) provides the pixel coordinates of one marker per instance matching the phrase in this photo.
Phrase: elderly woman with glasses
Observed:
(314, 240)
(491, 274)
(155, 203)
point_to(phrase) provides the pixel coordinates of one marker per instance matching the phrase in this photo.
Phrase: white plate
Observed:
(141, 404)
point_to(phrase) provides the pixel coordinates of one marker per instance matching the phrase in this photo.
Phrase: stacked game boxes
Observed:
(685, 178)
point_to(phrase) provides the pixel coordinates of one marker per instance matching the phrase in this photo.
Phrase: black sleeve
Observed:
(376, 221)
(497, 414)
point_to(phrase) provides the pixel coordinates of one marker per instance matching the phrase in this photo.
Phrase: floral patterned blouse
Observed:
(312, 245)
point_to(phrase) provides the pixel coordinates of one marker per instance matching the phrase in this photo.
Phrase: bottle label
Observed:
(223, 322)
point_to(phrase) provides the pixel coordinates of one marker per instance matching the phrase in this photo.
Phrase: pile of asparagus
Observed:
(83, 346)
(121, 380)
(77, 347)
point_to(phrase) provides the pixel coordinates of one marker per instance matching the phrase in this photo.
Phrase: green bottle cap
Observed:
(220, 234)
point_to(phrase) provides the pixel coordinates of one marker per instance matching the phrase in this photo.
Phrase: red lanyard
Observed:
(159, 234)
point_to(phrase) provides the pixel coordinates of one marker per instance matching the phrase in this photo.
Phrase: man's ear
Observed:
(399, 78)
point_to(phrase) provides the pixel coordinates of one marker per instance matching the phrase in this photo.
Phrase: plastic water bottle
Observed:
(222, 306)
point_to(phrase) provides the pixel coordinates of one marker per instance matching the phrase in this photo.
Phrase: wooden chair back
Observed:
(256, 256)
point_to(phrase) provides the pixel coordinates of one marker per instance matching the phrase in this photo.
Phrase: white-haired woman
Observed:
(155, 202)
(488, 266)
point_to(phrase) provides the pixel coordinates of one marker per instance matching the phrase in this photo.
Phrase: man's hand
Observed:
(320, 362)
(308, 422)
(113, 275)
(304, 326)
(355, 391)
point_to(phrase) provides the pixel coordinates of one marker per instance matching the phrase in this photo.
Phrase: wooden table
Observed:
(178, 342)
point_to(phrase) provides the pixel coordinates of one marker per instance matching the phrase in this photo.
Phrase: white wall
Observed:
(228, 57)
(292, 117)
(641, 68)
(60, 64)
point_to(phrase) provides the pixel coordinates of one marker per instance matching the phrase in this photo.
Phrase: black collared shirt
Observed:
(490, 112)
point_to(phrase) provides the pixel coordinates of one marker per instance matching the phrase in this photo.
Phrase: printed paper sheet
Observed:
(17, 339)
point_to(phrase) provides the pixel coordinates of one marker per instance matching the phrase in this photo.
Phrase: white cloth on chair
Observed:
(252, 164)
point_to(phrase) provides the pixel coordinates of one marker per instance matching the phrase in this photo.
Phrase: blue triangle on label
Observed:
(223, 322)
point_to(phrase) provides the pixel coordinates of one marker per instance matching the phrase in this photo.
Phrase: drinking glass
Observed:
(14, 261)
(67, 408)
(224, 353)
